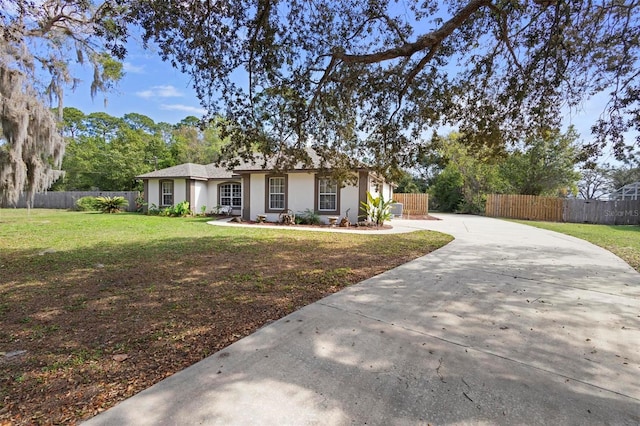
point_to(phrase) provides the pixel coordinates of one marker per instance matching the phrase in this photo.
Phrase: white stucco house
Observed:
(250, 190)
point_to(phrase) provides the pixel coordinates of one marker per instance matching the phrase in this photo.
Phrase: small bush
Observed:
(86, 204)
(308, 217)
(473, 204)
(111, 204)
(140, 204)
(181, 209)
(153, 210)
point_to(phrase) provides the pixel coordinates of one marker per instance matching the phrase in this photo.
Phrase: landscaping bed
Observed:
(319, 226)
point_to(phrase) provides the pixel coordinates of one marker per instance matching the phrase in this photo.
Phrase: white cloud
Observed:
(133, 69)
(183, 108)
(160, 92)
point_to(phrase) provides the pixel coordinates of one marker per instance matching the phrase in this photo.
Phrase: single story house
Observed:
(250, 190)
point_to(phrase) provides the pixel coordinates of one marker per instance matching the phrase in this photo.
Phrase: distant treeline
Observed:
(105, 153)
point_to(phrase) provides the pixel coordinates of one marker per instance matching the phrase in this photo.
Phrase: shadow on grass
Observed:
(537, 331)
(165, 304)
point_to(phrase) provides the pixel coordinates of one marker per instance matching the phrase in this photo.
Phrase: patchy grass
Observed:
(107, 305)
(621, 240)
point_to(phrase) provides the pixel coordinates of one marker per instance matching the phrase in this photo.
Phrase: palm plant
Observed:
(111, 204)
(377, 209)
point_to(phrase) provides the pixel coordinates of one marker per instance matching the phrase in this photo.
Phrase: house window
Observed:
(231, 194)
(327, 195)
(166, 193)
(277, 193)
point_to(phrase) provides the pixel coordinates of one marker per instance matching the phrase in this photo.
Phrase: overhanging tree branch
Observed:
(423, 42)
(350, 66)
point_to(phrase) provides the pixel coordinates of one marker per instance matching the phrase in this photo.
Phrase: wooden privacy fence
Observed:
(67, 199)
(616, 212)
(413, 204)
(551, 209)
(527, 207)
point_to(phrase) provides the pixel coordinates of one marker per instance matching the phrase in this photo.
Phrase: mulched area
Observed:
(322, 226)
(420, 217)
(338, 228)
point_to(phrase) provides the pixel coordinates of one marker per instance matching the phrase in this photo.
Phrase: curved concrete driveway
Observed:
(508, 324)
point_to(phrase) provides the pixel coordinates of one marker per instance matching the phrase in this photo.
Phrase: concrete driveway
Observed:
(508, 324)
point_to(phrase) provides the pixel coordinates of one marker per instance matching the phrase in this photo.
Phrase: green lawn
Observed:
(622, 240)
(107, 305)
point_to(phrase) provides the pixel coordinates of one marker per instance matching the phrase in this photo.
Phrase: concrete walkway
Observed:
(508, 324)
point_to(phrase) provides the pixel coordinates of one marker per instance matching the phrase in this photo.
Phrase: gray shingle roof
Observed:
(211, 171)
(215, 172)
(257, 164)
(189, 171)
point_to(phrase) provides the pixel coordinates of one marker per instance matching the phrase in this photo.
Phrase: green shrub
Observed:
(153, 210)
(446, 192)
(87, 204)
(181, 209)
(473, 204)
(308, 217)
(111, 204)
(140, 204)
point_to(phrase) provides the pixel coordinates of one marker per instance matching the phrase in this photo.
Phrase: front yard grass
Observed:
(621, 240)
(107, 305)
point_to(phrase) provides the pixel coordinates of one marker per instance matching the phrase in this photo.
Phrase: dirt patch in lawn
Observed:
(83, 329)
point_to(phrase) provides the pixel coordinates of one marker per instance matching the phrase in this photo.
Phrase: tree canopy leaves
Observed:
(366, 78)
(371, 78)
(545, 166)
(107, 153)
(39, 40)
(542, 165)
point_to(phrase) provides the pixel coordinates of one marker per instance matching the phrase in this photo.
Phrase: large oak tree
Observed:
(39, 42)
(368, 78)
(373, 77)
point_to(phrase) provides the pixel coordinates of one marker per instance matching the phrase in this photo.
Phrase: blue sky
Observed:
(150, 87)
(154, 88)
